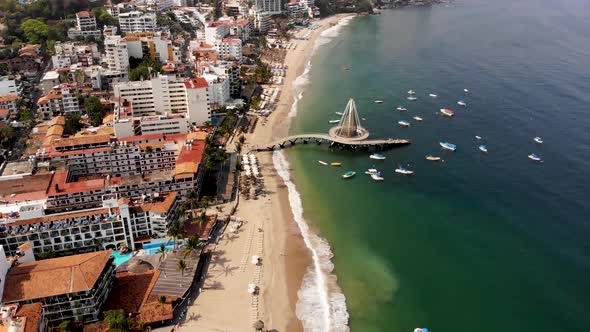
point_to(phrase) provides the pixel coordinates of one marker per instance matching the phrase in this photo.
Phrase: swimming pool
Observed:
(152, 248)
(120, 259)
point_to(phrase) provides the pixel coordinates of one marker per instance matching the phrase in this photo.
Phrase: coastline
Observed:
(269, 231)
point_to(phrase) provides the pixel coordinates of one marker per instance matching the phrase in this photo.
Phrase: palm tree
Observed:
(242, 139)
(238, 147)
(192, 245)
(176, 232)
(205, 201)
(162, 299)
(192, 199)
(181, 267)
(162, 252)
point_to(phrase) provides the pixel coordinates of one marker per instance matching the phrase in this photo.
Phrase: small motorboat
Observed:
(465, 90)
(334, 121)
(377, 156)
(535, 157)
(447, 112)
(461, 103)
(432, 95)
(323, 163)
(538, 140)
(371, 171)
(339, 113)
(417, 118)
(345, 68)
(477, 137)
(412, 98)
(404, 171)
(378, 101)
(376, 176)
(411, 92)
(404, 123)
(336, 164)
(348, 175)
(421, 329)
(483, 149)
(432, 158)
(401, 108)
(448, 146)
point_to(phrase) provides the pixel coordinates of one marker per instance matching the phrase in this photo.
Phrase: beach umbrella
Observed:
(258, 326)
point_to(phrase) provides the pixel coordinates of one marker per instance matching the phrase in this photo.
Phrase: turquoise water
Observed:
(152, 248)
(487, 242)
(120, 259)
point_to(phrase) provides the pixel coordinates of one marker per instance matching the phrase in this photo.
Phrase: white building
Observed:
(153, 46)
(85, 26)
(117, 55)
(261, 20)
(136, 21)
(49, 81)
(297, 9)
(273, 7)
(197, 95)
(229, 48)
(8, 86)
(218, 89)
(216, 31)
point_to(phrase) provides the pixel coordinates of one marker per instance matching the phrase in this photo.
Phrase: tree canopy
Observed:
(35, 30)
(72, 124)
(143, 70)
(95, 110)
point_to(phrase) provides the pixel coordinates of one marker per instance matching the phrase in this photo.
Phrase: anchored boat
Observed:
(483, 149)
(447, 112)
(323, 163)
(339, 113)
(378, 101)
(401, 108)
(417, 118)
(535, 157)
(432, 158)
(334, 121)
(377, 156)
(465, 90)
(371, 171)
(448, 146)
(412, 98)
(404, 171)
(538, 140)
(478, 137)
(411, 92)
(433, 95)
(376, 176)
(336, 164)
(348, 175)
(404, 123)
(461, 103)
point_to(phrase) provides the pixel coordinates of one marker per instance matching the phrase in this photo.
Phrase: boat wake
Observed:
(321, 305)
(302, 80)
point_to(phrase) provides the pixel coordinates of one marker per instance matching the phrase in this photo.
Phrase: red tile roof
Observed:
(196, 83)
(84, 14)
(33, 313)
(63, 187)
(10, 97)
(56, 276)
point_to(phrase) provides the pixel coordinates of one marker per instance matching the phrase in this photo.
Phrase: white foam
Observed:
(302, 80)
(321, 305)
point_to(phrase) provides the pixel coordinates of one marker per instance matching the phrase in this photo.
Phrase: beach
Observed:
(268, 230)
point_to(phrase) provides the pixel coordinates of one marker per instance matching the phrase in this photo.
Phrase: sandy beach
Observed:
(268, 231)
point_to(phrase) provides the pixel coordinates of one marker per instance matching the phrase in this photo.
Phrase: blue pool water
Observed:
(120, 259)
(152, 248)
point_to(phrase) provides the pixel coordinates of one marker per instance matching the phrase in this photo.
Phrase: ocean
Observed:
(486, 242)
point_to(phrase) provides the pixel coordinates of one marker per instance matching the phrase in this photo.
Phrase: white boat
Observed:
(376, 176)
(323, 163)
(334, 121)
(404, 171)
(377, 156)
(477, 137)
(348, 175)
(535, 157)
(411, 92)
(417, 118)
(421, 329)
(538, 140)
(404, 123)
(371, 171)
(465, 90)
(448, 146)
(432, 95)
(412, 98)
(339, 113)
(447, 112)
(461, 103)
(432, 158)
(401, 108)
(378, 101)
(483, 149)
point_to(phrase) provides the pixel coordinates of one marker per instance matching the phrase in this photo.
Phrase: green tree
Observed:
(95, 110)
(116, 320)
(181, 267)
(72, 124)
(67, 326)
(162, 252)
(192, 246)
(139, 73)
(176, 231)
(35, 30)
(6, 133)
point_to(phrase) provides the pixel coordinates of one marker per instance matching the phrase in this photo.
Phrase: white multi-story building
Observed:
(197, 95)
(154, 46)
(8, 86)
(261, 20)
(136, 21)
(297, 9)
(215, 31)
(85, 26)
(229, 48)
(61, 99)
(273, 7)
(117, 55)
(218, 89)
(8, 102)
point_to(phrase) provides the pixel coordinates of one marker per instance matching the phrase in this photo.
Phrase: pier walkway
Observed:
(332, 140)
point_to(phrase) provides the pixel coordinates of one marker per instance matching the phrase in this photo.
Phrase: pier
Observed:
(348, 134)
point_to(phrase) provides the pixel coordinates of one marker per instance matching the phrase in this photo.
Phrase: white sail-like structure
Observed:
(350, 123)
